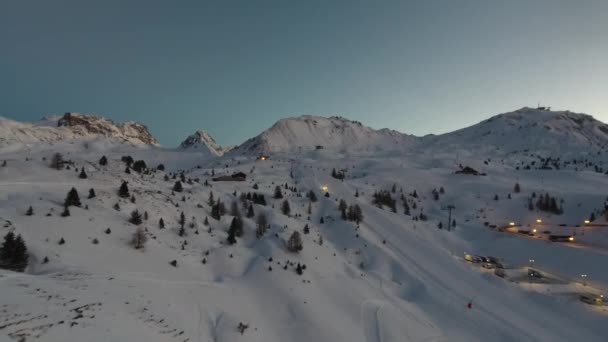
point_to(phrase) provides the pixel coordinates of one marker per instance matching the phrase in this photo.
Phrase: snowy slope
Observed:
(201, 141)
(305, 133)
(72, 126)
(393, 277)
(528, 128)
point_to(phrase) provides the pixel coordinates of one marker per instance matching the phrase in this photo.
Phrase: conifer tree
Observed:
(139, 238)
(103, 161)
(92, 193)
(30, 211)
(82, 175)
(135, 217)
(294, 244)
(277, 192)
(72, 198)
(250, 213)
(211, 201)
(178, 187)
(262, 225)
(161, 223)
(285, 208)
(123, 191)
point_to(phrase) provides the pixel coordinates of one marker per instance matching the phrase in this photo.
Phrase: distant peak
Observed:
(201, 139)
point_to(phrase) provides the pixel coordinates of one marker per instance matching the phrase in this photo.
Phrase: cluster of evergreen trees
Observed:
(338, 174)
(384, 198)
(548, 204)
(253, 197)
(350, 213)
(13, 253)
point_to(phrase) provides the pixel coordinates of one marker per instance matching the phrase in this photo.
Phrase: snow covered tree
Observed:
(312, 196)
(92, 193)
(178, 187)
(103, 161)
(139, 166)
(182, 220)
(306, 229)
(135, 217)
(277, 192)
(250, 213)
(83, 174)
(72, 199)
(231, 236)
(211, 200)
(123, 191)
(285, 208)
(66, 212)
(161, 223)
(294, 244)
(13, 253)
(262, 225)
(30, 211)
(57, 161)
(355, 213)
(237, 225)
(128, 170)
(516, 188)
(309, 210)
(139, 238)
(206, 222)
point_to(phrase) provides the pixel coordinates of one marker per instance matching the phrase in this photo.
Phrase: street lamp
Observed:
(511, 224)
(539, 221)
(531, 262)
(587, 221)
(584, 276)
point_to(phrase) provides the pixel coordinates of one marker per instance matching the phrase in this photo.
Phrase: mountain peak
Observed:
(202, 140)
(310, 132)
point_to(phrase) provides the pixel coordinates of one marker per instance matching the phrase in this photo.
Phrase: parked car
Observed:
(534, 273)
(592, 299)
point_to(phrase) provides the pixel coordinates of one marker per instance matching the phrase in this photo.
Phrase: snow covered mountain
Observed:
(528, 129)
(73, 126)
(306, 133)
(202, 141)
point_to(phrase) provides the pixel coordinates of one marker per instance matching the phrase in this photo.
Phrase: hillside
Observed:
(398, 275)
(307, 133)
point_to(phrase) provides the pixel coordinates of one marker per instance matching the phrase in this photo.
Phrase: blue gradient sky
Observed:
(234, 67)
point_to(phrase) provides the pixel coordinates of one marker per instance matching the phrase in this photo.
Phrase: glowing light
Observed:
(534, 230)
(511, 223)
(587, 221)
(539, 221)
(325, 188)
(571, 238)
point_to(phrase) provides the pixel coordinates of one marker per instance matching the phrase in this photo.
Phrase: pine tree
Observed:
(128, 170)
(250, 212)
(135, 217)
(30, 211)
(516, 188)
(231, 236)
(237, 226)
(357, 193)
(211, 201)
(312, 196)
(116, 206)
(285, 208)
(123, 191)
(178, 187)
(132, 198)
(103, 161)
(182, 220)
(262, 225)
(309, 211)
(82, 175)
(92, 193)
(139, 238)
(161, 223)
(294, 244)
(306, 229)
(206, 222)
(7, 251)
(57, 161)
(277, 192)
(72, 198)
